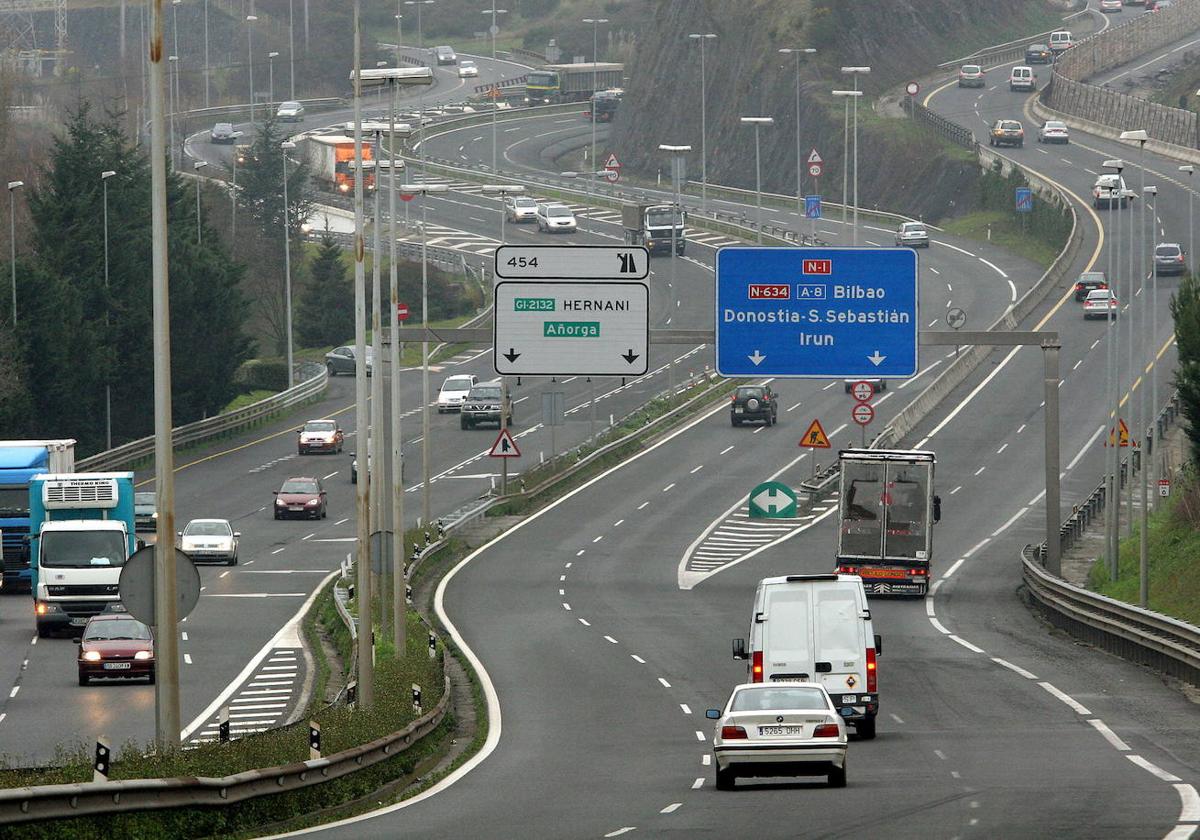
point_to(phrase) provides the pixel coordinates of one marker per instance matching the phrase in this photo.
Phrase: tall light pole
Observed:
(250, 19)
(399, 31)
(1191, 261)
(799, 52)
(503, 190)
(196, 167)
(173, 79)
(701, 38)
(1144, 433)
(494, 30)
(677, 159)
(855, 72)
(1140, 137)
(166, 605)
(424, 190)
(595, 22)
(291, 50)
(366, 633)
(13, 186)
(271, 56)
(1112, 392)
(376, 439)
(206, 63)
(758, 122)
(420, 32)
(104, 176)
(173, 63)
(399, 582)
(286, 146)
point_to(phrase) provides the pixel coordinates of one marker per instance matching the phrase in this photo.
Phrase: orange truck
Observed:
(332, 159)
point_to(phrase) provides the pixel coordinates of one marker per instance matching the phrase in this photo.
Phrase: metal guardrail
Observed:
(207, 428)
(951, 131)
(998, 54)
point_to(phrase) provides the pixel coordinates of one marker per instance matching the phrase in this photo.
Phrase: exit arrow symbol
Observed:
(512, 355)
(630, 356)
(772, 501)
(758, 357)
(876, 359)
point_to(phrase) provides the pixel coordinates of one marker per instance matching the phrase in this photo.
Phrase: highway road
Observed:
(601, 664)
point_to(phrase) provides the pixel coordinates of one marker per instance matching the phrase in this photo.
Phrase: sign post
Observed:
(955, 320)
(912, 89)
(816, 312)
(1024, 202)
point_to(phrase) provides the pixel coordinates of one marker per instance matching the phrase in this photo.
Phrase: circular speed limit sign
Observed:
(862, 391)
(912, 88)
(815, 169)
(863, 413)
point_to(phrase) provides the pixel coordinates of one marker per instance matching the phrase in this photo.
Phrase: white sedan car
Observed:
(212, 540)
(912, 235)
(290, 112)
(555, 218)
(467, 70)
(1054, 131)
(454, 390)
(778, 729)
(1100, 303)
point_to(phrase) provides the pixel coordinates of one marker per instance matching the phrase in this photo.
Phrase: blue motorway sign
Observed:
(1024, 198)
(817, 312)
(812, 206)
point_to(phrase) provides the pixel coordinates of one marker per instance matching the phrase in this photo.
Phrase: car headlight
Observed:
(280, 503)
(92, 655)
(143, 655)
(312, 502)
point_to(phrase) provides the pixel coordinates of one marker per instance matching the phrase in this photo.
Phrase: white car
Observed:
(467, 69)
(1110, 5)
(555, 218)
(290, 112)
(211, 540)
(520, 208)
(912, 235)
(320, 436)
(778, 729)
(1100, 303)
(1054, 131)
(453, 391)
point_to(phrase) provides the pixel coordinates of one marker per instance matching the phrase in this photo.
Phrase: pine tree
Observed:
(325, 316)
(1185, 307)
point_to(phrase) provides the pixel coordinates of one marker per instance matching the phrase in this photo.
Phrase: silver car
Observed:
(211, 540)
(290, 112)
(912, 235)
(555, 218)
(341, 360)
(520, 208)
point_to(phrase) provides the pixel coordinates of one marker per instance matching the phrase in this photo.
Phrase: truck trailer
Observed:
(887, 511)
(554, 83)
(20, 461)
(82, 532)
(332, 159)
(651, 225)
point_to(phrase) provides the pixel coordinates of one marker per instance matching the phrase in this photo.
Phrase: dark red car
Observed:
(115, 645)
(302, 498)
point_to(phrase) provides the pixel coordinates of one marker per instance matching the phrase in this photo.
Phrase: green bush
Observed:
(262, 375)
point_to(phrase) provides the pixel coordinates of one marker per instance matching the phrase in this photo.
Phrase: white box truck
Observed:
(817, 628)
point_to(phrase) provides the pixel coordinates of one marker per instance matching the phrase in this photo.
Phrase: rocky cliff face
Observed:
(746, 76)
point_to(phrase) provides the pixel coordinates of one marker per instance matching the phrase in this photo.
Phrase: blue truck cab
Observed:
(82, 532)
(20, 461)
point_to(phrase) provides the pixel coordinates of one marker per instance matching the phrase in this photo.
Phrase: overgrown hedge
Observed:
(262, 375)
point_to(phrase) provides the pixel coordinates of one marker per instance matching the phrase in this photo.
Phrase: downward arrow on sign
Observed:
(757, 358)
(630, 356)
(512, 355)
(876, 359)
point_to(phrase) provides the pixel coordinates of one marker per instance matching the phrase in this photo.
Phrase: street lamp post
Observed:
(758, 122)
(1148, 438)
(196, 167)
(1140, 137)
(375, 441)
(104, 176)
(173, 64)
(1189, 169)
(701, 38)
(206, 62)
(286, 146)
(271, 56)
(420, 32)
(250, 19)
(13, 186)
(595, 22)
(1113, 397)
(677, 159)
(291, 51)
(855, 72)
(423, 190)
(503, 190)
(799, 52)
(398, 580)
(494, 30)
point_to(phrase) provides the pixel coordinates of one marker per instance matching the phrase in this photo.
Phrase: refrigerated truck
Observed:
(554, 83)
(82, 532)
(20, 461)
(887, 509)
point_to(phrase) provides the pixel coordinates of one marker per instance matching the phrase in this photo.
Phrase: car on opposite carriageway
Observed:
(300, 497)
(482, 405)
(210, 540)
(115, 645)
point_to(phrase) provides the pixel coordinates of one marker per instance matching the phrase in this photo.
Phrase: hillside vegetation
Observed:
(900, 167)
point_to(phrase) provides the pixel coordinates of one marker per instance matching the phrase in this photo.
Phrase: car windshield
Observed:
(558, 211)
(197, 528)
(14, 501)
(485, 394)
(82, 549)
(116, 628)
(1167, 251)
(524, 202)
(661, 217)
(1038, 48)
(914, 227)
(320, 426)
(541, 79)
(1055, 125)
(291, 106)
(776, 697)
(1010, 125)
(457, 383)
(223, 128)
(971, 69)
(1098, 295)
(299, 485)
(466, 64)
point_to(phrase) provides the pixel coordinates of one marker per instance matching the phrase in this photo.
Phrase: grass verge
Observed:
(1002, 229)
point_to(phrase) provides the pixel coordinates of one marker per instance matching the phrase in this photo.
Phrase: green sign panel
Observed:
(772, 500)
(571, 329)
(533, 305)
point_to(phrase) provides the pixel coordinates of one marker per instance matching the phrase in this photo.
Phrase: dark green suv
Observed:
(482, 405)
(754, 402)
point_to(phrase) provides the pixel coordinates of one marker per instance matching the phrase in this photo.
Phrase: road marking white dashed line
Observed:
(611, 639)
(1110, 736)
(1015, 668)
(1152, 768)
(706, 760)
(684, 708)
(940, 754)
(664, 683)
(1068, 699)
(668, 487)
(696, 469)
(955, 490)
(966, 644)
(598, 538)
(585, 622)
(637, 659)
(670, 808)
(954, 568)
(566, 606)
(977, 546)
(896, 718)
(621, 831)
(699, 783)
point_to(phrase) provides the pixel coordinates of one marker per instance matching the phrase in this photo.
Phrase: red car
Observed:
(301, 497)
(320, 436)
(115, 645)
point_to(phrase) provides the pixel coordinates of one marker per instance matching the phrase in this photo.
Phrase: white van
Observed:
(1110, 191)
(1060, 41)
(1022, 78)
(817, 628)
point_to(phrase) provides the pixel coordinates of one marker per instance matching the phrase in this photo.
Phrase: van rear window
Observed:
(787, 627)
(838, 639)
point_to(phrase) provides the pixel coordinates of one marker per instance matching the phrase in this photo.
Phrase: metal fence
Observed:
(951, 131)
(1070, 94)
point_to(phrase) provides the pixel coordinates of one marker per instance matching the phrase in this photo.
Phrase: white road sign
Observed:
(572, 262)
(552, 328)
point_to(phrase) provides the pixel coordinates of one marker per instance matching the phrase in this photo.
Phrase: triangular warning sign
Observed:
(505, 446)
(815, 437)
(611, 162)
(814, 157)
(1124, 434)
